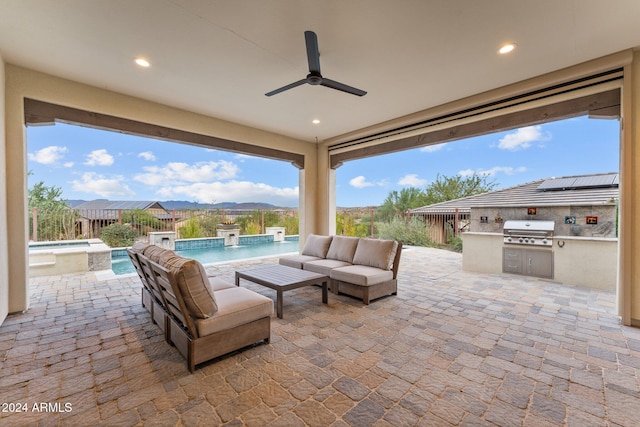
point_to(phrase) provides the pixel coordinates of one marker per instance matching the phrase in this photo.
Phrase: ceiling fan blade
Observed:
(313, 54)
(341, 86)
(287, 87)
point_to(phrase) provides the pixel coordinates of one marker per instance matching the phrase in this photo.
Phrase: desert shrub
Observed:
(191, 229)
(455, 243)
(251, 227)
(412, 233)
(290, 224)
(118, 235)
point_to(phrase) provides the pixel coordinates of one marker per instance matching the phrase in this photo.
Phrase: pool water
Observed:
(122, 264)
(58, 245)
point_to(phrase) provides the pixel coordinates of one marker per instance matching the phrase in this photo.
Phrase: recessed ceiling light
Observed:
(506, 48)
(315, 121)
(143, 62)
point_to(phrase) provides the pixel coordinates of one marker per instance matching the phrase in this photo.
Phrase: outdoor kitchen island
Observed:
(582, 261)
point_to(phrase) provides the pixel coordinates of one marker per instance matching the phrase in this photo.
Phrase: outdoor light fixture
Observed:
(142, 62)
(506, 48)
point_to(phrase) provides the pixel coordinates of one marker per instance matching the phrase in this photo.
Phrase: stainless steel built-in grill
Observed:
(532, 233)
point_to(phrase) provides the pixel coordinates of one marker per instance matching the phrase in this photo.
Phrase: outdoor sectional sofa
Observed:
(360, 267)
(203, 317)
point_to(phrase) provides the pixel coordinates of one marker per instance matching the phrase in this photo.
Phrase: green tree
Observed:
(55, 220)
(142, 220)
(397, 203)
(446, 188)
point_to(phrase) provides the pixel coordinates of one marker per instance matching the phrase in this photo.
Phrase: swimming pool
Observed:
(122, 264)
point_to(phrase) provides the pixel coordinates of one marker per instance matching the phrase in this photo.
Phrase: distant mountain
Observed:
(183, 204)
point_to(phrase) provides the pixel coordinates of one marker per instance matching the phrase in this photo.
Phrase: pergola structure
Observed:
(602, 81)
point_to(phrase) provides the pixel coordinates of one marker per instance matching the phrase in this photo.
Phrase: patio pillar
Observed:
(629, 228)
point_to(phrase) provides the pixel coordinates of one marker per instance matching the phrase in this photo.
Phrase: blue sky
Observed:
(91, 164)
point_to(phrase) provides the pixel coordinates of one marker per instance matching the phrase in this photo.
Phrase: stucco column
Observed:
(629, 229)
(325, 194)
(16, 175)
(4, 223)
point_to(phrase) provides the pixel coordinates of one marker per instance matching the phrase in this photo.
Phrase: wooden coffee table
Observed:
(282, 278)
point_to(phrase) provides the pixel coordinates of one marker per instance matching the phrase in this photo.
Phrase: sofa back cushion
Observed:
(376, 253)
(193, 285)
(342, 248)
(316, 246)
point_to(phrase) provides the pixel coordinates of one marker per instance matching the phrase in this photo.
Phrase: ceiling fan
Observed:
(314, 77)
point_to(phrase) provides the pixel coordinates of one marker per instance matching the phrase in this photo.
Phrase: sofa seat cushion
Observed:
(361, 275)
(217, 283)
(296, 261)
(316, 246)
(343, 248)
(376, 253)
(324, 266)
(236, 306)
(193, 284)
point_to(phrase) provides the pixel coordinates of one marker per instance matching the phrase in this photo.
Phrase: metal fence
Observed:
(70, 224)
(439, 227)
(442, 226)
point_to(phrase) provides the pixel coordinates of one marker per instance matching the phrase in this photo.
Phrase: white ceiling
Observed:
(219, 58)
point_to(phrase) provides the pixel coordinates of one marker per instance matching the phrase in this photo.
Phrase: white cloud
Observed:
(412, 180)
(68, 164)
(360, 182)
(507, 170)
(522, 138)
(147, 155)
(177, 173)
(99, 158)
(94, 183)
(432, 148)
(236, 191)
(48, 155)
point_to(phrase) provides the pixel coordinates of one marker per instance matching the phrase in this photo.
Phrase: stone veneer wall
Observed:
(606, 226)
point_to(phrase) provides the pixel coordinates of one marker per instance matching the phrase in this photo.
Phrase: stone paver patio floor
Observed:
(452, 348)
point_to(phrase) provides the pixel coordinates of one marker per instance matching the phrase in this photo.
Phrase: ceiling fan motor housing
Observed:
(314, 78)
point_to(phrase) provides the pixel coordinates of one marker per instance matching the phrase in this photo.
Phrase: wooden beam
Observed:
(604, 101)
(40, 112)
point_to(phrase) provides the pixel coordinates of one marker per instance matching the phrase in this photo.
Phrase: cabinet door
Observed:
(539, 264)
(512, 260)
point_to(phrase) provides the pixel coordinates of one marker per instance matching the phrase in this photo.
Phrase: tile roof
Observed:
(529, 195)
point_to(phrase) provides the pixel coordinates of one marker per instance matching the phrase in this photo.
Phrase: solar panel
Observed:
(575, 182)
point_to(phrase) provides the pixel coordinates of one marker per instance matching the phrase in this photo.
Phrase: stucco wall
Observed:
(581, 261)
(4, 261)
(24, 83)
(606, 226)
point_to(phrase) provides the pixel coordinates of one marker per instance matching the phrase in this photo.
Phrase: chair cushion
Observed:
(361, 275)
(376, 253)
(154, 253)
(139, 247)
(343, 248)
(236, 306)
(296, 261)
(217, 283)
(316, 246)
(324, 266)
(193, 284)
